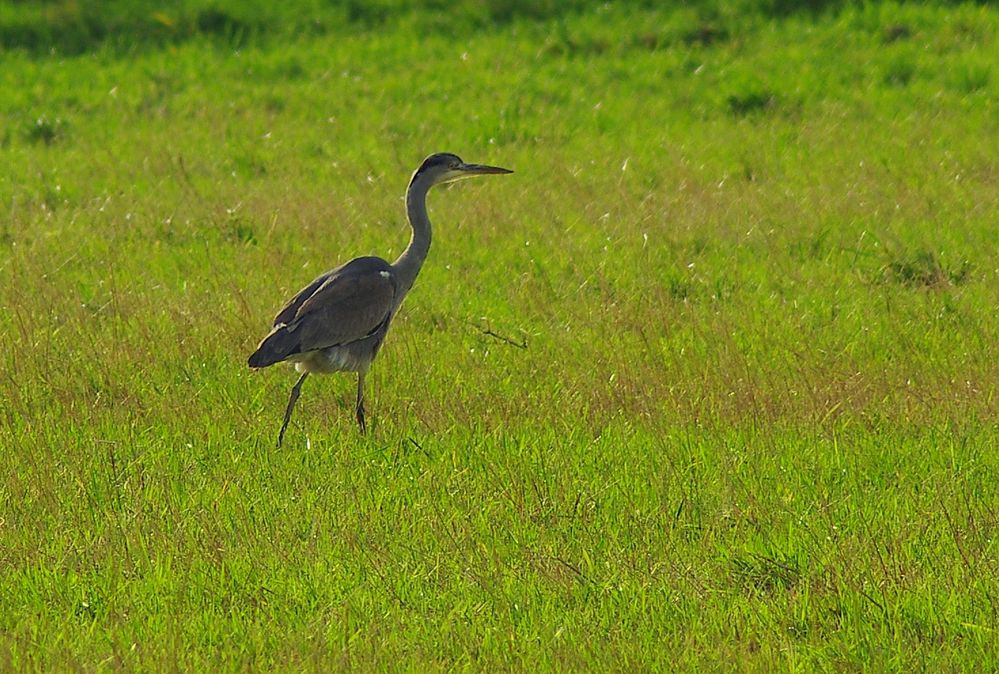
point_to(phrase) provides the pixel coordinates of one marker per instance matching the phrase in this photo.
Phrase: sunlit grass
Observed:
(711, 380)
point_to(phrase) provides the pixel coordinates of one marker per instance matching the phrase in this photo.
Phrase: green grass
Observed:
(751, 254)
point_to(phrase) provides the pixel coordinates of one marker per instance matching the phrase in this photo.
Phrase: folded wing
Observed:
(340, 307)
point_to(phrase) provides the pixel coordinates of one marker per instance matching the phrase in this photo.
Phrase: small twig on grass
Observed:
(522, 344)
(874, 601)
(187, 179)
(572, 567)
(420, 447)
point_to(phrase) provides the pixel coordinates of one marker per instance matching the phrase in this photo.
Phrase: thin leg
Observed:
(360, 402)
(295, 391)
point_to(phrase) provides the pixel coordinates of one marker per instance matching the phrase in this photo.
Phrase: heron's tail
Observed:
(275, 347)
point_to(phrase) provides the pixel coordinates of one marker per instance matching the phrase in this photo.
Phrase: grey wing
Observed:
(349, 305)
(287, 313)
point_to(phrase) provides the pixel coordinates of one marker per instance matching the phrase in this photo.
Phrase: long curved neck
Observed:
(407, 266)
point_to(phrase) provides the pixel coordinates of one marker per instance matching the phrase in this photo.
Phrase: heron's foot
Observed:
(284, 427)
(360, 419)
(296, 390)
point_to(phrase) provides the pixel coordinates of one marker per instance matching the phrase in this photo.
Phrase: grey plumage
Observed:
(349, 304)
(338, 322)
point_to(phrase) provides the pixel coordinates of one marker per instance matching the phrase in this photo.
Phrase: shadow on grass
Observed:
(923, 269)
(73, 27)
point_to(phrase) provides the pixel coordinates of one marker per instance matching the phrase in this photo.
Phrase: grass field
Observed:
(711, 382)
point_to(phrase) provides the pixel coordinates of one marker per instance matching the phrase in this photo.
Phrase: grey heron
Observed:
(338, 322)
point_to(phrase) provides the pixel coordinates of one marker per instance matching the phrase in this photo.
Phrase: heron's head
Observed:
(445, 167)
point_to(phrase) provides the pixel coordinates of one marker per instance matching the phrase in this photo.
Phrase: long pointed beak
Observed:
(482, 169)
